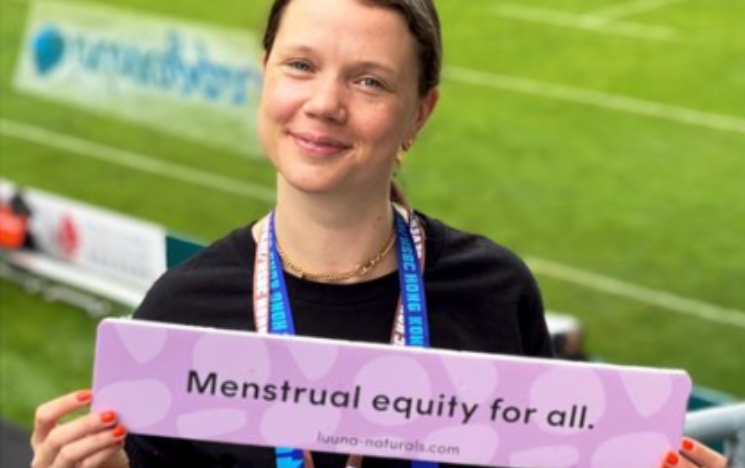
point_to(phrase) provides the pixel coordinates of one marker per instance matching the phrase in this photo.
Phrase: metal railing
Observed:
(722, 423)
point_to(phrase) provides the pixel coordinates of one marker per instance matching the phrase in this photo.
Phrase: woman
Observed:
(348, 85)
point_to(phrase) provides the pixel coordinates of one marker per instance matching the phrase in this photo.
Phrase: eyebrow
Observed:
(377, 66)
(299, 48)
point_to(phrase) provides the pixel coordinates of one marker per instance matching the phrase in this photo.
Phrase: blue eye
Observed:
(299, 65)
(371, 83)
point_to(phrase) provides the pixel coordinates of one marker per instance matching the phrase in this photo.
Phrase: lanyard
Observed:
(273, 314)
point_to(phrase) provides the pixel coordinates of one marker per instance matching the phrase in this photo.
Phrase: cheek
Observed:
(277, 107)
(280, 101)
(388, 128)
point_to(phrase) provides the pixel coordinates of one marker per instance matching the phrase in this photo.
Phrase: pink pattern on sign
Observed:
(285, 424)
(648, 393)
(569, 412)
(475, 380)
(416, 384)
(145, 346)
(238, 360)
(481, 441)
(140, 412)
(311, 363)
(557, 456)
(633, 449)
(211, 423)
(392, 402)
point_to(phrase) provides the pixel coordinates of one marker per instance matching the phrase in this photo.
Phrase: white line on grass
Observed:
(585, 22)
(219, 183)
(600, 99)
(633, 7)
(134, 161)
(672, 302)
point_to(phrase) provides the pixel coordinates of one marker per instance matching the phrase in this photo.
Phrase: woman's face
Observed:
(340, 97)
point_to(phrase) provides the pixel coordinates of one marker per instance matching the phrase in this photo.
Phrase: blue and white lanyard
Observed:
(273, 314)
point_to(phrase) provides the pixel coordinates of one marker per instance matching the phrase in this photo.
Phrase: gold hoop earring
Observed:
(398, 162)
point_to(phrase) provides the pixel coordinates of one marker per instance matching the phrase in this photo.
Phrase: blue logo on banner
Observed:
(49, 48)
(179, 64)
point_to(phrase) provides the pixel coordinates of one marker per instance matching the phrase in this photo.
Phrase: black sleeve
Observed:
(212, 289)
(161, 452)
(182, 295)
(532, 319)
(482, 297)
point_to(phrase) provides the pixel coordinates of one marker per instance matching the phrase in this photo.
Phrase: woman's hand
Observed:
(92, 440)
(694, 454)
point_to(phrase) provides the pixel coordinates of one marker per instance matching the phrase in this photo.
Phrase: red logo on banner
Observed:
(67, 237)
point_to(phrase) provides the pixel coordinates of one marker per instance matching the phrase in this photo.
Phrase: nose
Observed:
(327, 100)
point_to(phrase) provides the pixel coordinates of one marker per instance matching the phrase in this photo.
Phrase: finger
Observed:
(88, 450)
(701, 454)
(671, 460)
(59, 440)
(113, 455)
(49, 413)
(675, 460)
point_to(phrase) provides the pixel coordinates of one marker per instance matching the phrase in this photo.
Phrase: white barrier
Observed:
(82, 254)
(58, 281)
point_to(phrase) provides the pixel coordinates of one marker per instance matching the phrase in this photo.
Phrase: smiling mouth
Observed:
(318, 145)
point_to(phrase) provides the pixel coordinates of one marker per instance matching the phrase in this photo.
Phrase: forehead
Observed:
(352, 26)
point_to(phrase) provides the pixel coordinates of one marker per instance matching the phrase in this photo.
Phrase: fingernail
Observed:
(108, 417)
(119, 431)
(84, 395)
(672, 459)
(688, 445)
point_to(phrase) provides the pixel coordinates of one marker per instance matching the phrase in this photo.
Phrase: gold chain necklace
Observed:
(357, 271)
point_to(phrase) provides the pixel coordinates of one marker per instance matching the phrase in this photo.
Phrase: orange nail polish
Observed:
(672, 459)
(84, 395)
(119, 431)
(688, 445)
(108, 417)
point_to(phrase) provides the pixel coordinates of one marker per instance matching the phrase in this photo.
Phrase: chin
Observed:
(312, 185)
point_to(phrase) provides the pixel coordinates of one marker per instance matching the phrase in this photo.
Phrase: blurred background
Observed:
(602, 140)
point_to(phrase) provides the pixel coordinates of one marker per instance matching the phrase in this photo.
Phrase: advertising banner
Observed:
(107, 245)
(385, 401)
(193, 80)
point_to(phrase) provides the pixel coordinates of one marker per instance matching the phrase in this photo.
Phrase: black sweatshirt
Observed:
(480, 297)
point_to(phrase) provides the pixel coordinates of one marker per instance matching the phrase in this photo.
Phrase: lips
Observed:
(320, 145)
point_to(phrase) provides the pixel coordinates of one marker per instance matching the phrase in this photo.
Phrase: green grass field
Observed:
(606, 150)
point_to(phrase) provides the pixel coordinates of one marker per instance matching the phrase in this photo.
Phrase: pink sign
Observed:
(385, 401)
